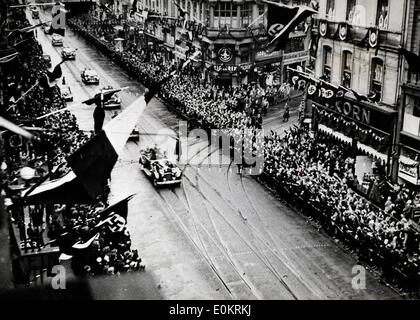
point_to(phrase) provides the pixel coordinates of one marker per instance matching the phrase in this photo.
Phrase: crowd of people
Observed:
(30, 95)
(315, 172)
(110, 251)
(310, 170)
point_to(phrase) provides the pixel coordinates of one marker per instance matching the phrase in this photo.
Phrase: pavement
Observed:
(219, 235)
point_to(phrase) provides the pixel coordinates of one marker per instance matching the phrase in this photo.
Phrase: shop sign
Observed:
(295, 57)
(262, 55)
(225, 68)
(225, 55)
(353, 111)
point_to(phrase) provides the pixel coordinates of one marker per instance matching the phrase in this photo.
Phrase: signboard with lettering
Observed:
(262, 55)
(359, 112)
(225, 68)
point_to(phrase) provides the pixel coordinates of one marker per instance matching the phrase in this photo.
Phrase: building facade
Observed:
(227, 33)
(356, 44)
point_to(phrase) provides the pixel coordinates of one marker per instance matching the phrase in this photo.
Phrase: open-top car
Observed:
(90, 76)
(114, 102)
(68, 53)
(66, 93)
(57, 40)
(158, 168)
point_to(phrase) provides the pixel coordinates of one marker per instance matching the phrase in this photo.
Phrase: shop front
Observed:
(368, 128)
(224, 70)
(268, 67)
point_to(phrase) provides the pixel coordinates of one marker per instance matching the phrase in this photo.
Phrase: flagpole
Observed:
(25, 93)
(9, 56)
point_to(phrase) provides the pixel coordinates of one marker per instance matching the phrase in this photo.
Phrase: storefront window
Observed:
(382, 14)
(377, 76)
(347, 68)
(412, 115)
(327, 63)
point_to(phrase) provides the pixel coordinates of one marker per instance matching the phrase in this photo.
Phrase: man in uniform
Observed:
(99, 115)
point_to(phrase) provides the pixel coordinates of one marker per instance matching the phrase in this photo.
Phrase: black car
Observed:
(160, 170)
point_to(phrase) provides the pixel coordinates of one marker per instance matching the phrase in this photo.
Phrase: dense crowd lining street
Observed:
(116, 197)
(204, 240)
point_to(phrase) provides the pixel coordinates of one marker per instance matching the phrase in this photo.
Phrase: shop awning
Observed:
(371, 151)
(337, 135)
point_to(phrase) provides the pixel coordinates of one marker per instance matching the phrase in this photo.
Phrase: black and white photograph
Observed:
(210, 150)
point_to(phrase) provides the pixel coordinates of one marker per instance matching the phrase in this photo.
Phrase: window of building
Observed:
(412, 115)
(295, 45)
(225, 13)
(188, 8)
(351, 8)
(377, 76)
(330, 8)
(327, 63)
(382, 14)
(347, 68)
(246, 15)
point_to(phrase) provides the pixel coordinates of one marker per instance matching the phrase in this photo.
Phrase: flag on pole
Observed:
(8, 58)
(413, 61)
(14, 128)
(283, 19)
(134, 7)
(56, 73)
(102, 96)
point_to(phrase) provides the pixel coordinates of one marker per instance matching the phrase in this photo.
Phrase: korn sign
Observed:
(354, 111)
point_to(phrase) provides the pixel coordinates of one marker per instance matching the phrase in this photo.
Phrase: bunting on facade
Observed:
(323, 28)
